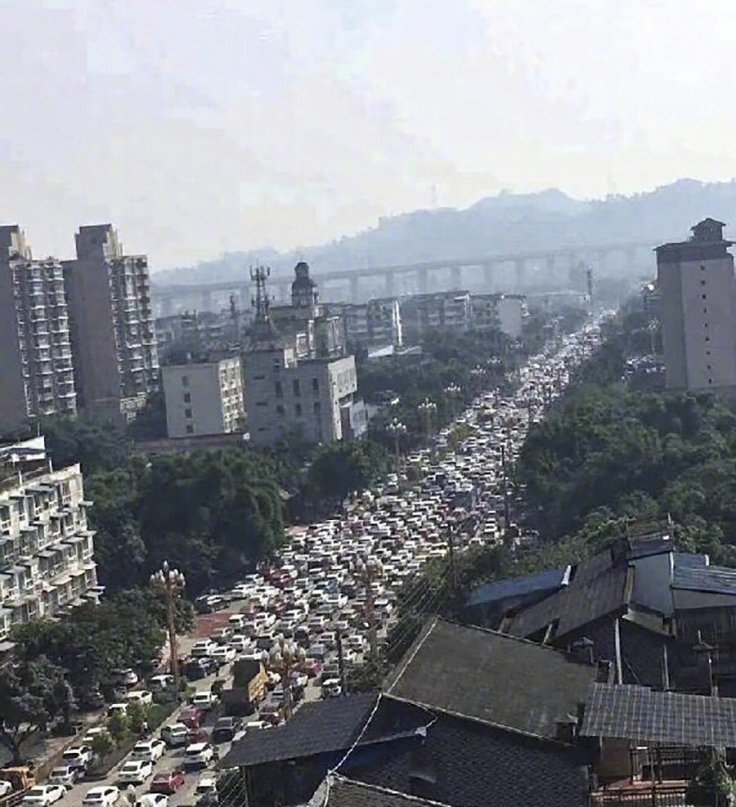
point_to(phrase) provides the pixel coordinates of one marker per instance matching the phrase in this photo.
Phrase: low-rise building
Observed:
(204, 398)
(377, 322)
(502, 312)
(448, 311)
(46, 547)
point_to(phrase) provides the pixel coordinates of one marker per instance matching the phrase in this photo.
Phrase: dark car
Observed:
(168, 782)
(225, 729)
(192, 717)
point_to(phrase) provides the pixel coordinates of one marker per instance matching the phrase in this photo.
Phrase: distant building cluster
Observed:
(46, 545)
(77, 335)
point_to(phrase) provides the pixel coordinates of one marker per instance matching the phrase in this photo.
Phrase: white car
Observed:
(224, 654)
(174, 735)
(240, 643)
(6, 787)
(117, 709)
(153, 800)
(204, 647)
(135, 771)
(80, 756)
(206, 785)
(105, 796)
(65, 775)
(42, 795)
(142, 696)
(204, 700)
(198, 754)
(152, 750)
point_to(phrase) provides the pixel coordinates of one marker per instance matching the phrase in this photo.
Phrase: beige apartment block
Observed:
(204, 398)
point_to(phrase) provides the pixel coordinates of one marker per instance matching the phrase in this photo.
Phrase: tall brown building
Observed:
(36, 372)
(112, 329)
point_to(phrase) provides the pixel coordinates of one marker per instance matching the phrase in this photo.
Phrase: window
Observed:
(280, 410)
(187, 413)
(315, 385)
(317, 407)
(702, 282)
(279, 387)
(190, 429)
(261, 403)
(704, 296)
(185, 381)
(298, 410)
(187, 397)
(296, 387)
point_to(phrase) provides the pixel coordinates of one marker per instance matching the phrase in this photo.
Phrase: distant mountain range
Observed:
(499, 224)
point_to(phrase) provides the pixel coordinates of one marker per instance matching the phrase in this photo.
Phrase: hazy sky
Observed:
(203, 126)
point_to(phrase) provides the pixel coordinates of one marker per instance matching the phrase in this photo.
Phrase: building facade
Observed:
(36, 370)
(448, 311)
(204, 398)
(503, 312)
(375, 323)
(299, 381)
(112, 330)
(46, 547)
(698, 310)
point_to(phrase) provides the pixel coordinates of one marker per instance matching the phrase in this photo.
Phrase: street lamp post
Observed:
(370, 569)
(478, 374)
(427, 409)
(285, 657)
(397, 429)
(171, 583)
(452, 391)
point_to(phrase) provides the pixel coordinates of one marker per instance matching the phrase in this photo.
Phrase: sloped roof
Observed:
(547, 580)
(639, 713)
(489, 676)
(317, 727)
(342, 792)
(597, 588)
(711, 579)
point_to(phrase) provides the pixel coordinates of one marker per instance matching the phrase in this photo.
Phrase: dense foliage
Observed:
(348, 466)
(609, 452)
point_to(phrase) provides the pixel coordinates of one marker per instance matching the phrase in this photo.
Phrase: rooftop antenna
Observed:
(260, 301)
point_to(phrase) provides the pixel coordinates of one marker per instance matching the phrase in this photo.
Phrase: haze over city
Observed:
(206, 127)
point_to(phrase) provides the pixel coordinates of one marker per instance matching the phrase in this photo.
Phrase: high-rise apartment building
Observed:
(502, 312)
(112, 330)
(204, 398)
(36, 372)
(698, 309)
(375, 323)
(46, 547)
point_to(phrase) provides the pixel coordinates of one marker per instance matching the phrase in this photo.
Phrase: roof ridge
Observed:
(564, 653)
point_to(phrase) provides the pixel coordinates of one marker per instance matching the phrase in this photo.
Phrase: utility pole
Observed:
(340, 661)
(506, 511)
(284, 658)
(369, 570)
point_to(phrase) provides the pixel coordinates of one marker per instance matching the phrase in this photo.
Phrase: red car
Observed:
(197, 736)
(167, 783)
(192, 717)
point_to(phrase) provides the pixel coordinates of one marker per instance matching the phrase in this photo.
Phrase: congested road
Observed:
(333, 590)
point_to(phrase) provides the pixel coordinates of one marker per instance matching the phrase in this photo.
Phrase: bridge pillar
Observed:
(456, 277)
(422, 279)
(354, 288)
(520, 274)
(166, 306)
(206, 300)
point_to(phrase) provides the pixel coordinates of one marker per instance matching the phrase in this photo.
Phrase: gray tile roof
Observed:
(489, 676)
(347, 793)
(547, 580)
(317, 727)
(639, 713)
(598, 588)
(713, 579)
